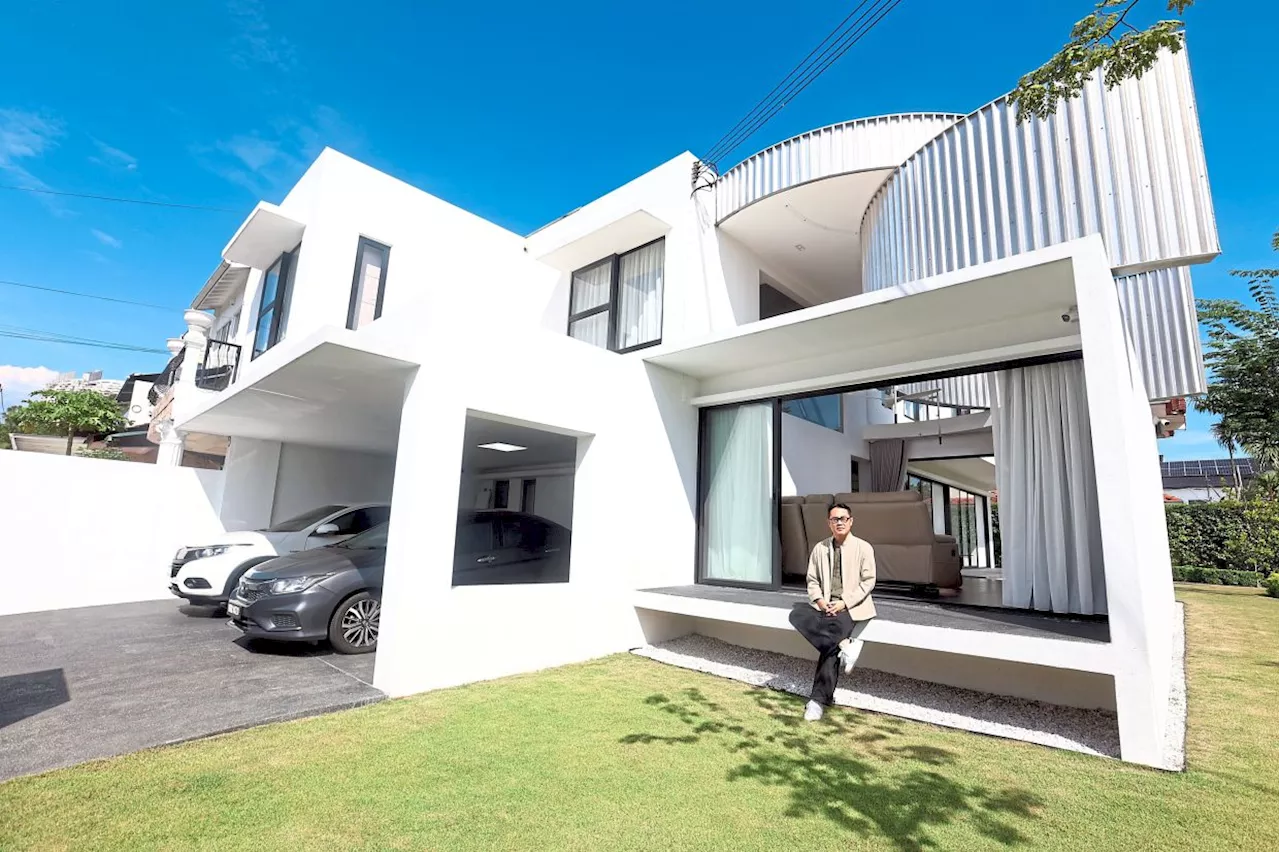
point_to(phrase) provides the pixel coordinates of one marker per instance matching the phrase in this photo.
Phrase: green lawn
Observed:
(624, 753)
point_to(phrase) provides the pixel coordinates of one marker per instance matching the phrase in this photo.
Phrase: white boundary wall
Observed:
(84, 532)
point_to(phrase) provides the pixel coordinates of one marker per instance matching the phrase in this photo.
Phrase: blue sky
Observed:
(517, 112)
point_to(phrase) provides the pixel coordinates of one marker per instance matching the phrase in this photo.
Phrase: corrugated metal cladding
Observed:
(851, 146)
(967, 391)
(1126, 163)
(1159, 312)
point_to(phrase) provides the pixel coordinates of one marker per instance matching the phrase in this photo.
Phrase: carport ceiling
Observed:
(541, 448)
(977, 473)
(330, 396)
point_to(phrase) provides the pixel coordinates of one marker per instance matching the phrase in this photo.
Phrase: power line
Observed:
(837, 43)
(53, 337)
(121, 200)
(742, 121)
(165, 308)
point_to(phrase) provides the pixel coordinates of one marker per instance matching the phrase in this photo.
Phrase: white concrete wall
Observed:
(637, 452)
(314, 476)
(251, 468)
(1135, 541)
(444, 260)
(85, 532)
(1000, 677)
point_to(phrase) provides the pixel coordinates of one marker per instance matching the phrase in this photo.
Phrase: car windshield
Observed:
(374, 538)
(306, 519)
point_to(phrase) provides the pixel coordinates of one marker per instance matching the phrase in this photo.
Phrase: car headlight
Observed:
(289, 585)
(187, 554)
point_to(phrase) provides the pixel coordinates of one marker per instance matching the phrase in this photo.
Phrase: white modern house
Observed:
(906, 312)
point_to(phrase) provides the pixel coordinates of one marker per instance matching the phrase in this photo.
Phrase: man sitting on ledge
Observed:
(841, 575)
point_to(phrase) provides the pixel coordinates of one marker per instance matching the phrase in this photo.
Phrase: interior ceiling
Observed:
(825, 217)
(977, 473)
(542, 448)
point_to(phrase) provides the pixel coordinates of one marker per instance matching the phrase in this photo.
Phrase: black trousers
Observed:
(824, 632)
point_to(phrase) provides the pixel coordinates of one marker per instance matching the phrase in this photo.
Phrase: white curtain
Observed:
(1050, 534)
(591, 287)
(737, 508)
(640, 296)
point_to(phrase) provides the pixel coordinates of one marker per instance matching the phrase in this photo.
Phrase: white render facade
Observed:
(926, 259)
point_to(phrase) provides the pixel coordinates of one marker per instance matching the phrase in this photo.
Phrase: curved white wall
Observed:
(850, 146)
(1126, 163)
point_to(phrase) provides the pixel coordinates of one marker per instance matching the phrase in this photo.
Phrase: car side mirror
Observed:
(326, 529)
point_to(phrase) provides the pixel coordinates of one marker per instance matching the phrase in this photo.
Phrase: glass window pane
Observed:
(825, 411)
(640, 296)
(262, 337)
(737, 502)
(370, 264)
(594, 330)
(270, 284)
(590, 287)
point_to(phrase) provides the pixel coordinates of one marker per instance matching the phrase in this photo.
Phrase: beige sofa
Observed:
(897, 524)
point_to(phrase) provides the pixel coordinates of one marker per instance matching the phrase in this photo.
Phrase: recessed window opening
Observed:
(616, 302)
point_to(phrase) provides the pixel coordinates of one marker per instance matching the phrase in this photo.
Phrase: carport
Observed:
(311, 422)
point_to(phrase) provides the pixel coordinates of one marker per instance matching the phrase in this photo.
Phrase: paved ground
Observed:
(79, 684)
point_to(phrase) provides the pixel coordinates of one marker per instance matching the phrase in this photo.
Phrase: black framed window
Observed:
(273, 308)
(855, 476)
(527, 490)
(368, 283)
(616, 302)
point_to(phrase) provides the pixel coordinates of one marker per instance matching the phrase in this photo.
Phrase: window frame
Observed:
(288, 262)
(611, 304)
(353, 303)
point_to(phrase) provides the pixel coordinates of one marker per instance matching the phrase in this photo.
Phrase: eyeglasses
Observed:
(837, 522)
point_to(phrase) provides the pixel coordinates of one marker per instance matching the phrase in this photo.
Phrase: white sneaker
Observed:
(812, 711)
(849, 656)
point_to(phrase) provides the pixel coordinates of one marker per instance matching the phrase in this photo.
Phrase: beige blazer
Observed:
(857, 575)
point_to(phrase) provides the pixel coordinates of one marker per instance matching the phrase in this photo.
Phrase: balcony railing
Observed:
(221, 360)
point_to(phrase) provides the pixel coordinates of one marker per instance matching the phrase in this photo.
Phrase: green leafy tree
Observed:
(1243, 357)
(1103, 41)
(66, 412)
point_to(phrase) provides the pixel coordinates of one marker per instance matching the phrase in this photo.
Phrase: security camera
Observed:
(1071, 315)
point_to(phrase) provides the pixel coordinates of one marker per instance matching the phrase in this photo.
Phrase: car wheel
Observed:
(353, 628)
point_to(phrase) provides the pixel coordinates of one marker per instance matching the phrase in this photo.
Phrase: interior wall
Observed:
(315, 476)
(552, 495)
(87, 532)
(815, 459)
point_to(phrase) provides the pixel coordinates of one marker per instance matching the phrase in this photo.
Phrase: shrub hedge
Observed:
(1216, 576)
(1272, 585)
(1227, 536)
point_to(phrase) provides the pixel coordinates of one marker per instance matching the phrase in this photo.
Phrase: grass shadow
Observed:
(848, 768)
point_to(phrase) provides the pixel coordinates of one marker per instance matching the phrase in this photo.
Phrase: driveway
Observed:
(79, 684)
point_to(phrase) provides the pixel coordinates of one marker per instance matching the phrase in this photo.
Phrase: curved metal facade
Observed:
(1126, 163)
(969, 391)
(850, 146)
(1159, 311)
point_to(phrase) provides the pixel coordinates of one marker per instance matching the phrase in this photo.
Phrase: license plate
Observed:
(233, 610)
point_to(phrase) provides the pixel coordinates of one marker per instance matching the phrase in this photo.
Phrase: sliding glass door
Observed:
(738, 499)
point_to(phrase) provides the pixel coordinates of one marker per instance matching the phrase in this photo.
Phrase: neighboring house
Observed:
(88, 381)
(1206, 480)
(930, 301)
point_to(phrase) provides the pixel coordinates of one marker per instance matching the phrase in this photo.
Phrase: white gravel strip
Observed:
(1175, 730)
(1089, 731)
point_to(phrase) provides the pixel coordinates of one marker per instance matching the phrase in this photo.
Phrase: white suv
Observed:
(207, 574)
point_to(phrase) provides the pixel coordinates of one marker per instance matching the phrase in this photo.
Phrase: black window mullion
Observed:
(612, 343)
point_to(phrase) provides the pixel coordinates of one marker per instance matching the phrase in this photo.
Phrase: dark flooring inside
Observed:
(938, 612)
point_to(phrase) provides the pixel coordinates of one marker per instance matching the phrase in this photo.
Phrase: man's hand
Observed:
(835, 607)
(820, 605)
